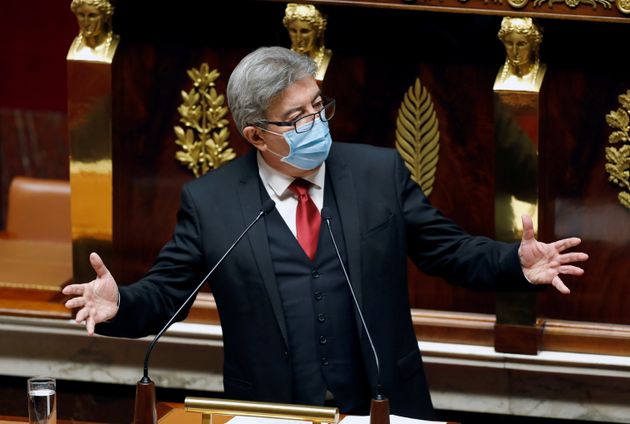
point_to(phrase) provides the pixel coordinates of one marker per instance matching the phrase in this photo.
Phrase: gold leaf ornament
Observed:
(606, 4)
(622, 5)
(203, 138)
(618, 158)
(418, 137)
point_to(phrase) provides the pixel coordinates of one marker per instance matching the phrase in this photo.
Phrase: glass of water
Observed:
(42, 400)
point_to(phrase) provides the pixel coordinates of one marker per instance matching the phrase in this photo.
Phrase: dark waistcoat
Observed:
(322, 329)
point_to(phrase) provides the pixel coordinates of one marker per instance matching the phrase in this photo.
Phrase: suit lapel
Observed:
(249, 196)
(345, 194)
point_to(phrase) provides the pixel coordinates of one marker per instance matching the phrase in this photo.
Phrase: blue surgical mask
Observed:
(307, 150)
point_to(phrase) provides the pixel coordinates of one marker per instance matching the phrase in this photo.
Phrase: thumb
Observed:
(98, 265)
(528, 228)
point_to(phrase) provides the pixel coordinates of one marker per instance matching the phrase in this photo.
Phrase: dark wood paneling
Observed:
(369, 84)
(578, 199)
(34, 39)
(151, 63)
(377, 54)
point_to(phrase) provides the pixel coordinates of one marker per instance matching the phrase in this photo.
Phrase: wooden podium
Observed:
(168, 413)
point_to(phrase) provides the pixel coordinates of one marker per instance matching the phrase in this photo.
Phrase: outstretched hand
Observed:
(543, 263)
(97, 299)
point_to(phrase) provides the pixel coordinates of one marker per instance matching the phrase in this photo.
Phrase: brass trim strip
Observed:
(316, 414)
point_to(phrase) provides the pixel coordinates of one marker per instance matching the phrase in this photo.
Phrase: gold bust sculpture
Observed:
(306, 27)
(522, 70)
(96, 41)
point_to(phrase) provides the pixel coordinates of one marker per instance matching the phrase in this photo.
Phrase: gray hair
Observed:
(260, 77)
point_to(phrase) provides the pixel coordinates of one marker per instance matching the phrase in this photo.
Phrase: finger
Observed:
(98, 265)
(571, 270)
(567, 243)
(559, 285)
(74, 289)
(528, 227)
(75, 302)
(90, 326)
(573, 257)
(82, 314)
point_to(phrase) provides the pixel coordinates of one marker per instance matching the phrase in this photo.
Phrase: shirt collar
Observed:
(280, 182)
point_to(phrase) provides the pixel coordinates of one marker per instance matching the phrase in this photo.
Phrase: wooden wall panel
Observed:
(369, 84)
(580, 199)
(152, 63)
(377, 54)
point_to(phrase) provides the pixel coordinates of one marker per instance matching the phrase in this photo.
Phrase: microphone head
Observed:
(326, 213)
(268, 205)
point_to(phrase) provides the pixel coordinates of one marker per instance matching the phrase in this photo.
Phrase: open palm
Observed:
(543, 263)
(97, 299)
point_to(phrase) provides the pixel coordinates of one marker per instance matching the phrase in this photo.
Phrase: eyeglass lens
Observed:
(306, 123)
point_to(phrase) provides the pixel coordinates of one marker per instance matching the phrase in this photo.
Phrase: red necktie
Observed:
(307, 218)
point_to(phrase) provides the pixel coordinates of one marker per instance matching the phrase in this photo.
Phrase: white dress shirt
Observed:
(277, 185)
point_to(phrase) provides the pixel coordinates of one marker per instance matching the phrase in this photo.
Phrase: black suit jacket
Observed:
(385, 218)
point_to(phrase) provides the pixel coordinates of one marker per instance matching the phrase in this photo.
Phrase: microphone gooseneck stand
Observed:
(144, 410)
(379, 405)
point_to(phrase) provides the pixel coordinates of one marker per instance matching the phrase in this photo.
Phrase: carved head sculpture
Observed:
(306, 26)
(521, 38)
(94, 19)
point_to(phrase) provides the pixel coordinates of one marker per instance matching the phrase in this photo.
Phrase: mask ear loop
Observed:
(276, 154)
(279, 135)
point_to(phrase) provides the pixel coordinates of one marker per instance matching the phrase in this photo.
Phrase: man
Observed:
(291, 333)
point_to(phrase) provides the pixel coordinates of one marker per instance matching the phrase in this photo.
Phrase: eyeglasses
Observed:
(305, 123)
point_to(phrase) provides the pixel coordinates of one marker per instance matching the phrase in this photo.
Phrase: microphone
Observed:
(145, 411)
(379, 407)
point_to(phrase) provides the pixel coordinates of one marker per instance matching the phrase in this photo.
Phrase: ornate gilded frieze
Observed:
(418, 137)
(622, 5)
(519, 4)
(581, 10)
(618, 153)
(204, 136)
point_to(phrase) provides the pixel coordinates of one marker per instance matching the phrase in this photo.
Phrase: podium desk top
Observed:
(174, 413)
(168, 413)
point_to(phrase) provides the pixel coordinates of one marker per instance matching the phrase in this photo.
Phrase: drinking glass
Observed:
(42, 400)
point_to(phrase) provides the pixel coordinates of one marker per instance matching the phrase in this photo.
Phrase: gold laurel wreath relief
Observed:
(618, 158)
(204, 135)
(417, 136)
